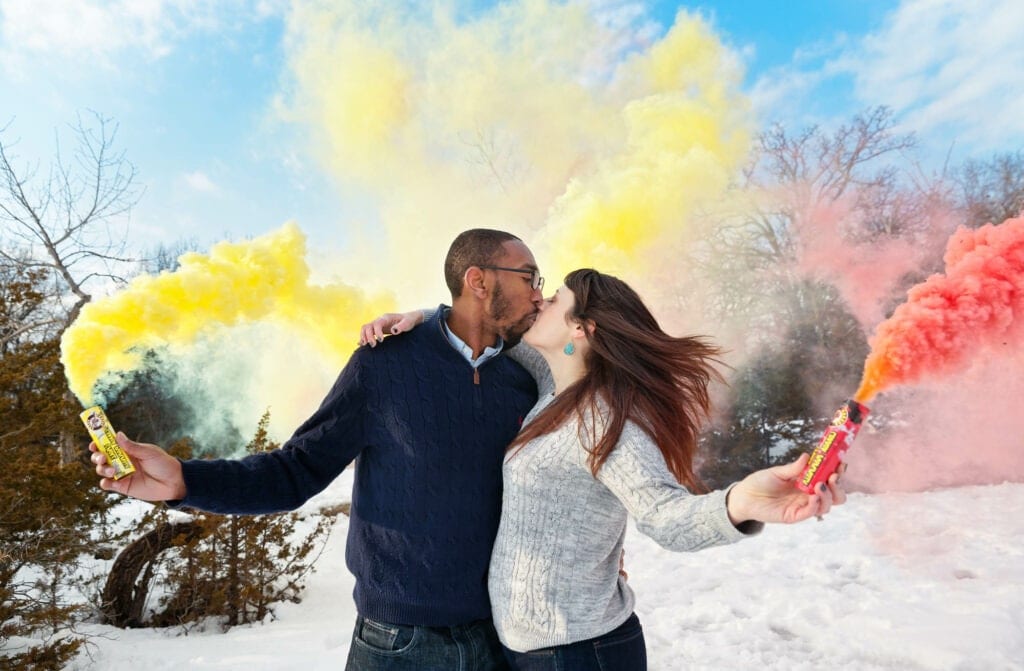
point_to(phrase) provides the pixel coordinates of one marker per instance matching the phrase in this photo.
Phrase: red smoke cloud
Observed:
(950, 317)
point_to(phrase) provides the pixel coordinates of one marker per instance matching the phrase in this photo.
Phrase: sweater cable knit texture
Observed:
(429, 436)
(554, 575)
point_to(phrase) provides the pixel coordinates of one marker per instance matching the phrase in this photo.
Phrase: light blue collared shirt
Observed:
(467, 351)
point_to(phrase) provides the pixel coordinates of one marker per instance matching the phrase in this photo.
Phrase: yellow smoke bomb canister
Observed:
(103, 435)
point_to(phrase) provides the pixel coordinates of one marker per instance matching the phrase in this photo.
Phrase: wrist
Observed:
(180, 490)
(734, 505)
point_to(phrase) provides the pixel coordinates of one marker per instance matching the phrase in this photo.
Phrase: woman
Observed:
(613, 434)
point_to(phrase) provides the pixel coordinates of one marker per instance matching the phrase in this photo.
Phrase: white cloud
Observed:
(948, 65)
(201, 182)
(100, 29)
(90, 26)
(265, 9)
(950, 70)
(779, 94)
(799, 93)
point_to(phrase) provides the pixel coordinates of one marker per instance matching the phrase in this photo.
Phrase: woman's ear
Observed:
(583, 329)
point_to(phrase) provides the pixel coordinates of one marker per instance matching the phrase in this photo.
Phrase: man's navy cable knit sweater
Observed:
(430, 434)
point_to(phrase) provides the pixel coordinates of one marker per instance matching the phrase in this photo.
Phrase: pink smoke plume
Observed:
(946, 432)
(865, 273)
(950, 317)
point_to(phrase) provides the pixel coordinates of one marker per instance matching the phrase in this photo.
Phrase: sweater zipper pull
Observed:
(476, 376)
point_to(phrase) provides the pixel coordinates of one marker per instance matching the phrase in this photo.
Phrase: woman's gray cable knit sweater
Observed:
(554, 576)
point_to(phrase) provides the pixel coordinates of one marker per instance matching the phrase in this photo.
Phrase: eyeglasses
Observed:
(536, 281)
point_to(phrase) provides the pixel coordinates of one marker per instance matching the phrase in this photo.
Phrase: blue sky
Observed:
(192, 85)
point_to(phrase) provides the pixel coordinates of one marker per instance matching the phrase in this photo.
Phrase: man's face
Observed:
(513, 303)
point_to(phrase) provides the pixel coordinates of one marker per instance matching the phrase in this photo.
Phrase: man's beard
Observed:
(500, 309)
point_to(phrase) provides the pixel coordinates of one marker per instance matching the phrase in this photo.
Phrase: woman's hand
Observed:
(770, 495)
(392, 323)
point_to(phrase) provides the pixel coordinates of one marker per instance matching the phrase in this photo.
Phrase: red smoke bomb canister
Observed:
(837, 439)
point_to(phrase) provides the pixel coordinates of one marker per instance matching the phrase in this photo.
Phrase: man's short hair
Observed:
(475, 247)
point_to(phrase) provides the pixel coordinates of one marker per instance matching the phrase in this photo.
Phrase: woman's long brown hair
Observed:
(635, 371)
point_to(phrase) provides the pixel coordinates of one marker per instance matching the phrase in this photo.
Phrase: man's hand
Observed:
(392, 323)
(157, 475)
(770, 495)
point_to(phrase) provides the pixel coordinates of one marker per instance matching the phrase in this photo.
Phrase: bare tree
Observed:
(168, 257)
(494, 155)
(992, 191)
(67, 227)
(71, 220)
(828, 164)
(753, 250)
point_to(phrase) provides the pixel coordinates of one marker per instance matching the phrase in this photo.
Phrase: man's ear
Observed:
(473, 281)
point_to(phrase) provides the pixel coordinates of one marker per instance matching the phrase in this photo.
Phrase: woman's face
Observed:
(552, 330)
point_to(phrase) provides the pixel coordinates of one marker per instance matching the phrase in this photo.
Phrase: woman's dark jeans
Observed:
(621, 649)
(379, 646)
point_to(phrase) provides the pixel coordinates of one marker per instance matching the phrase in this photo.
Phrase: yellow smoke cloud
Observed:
(571, 128)
(686, 134)
(264, 280)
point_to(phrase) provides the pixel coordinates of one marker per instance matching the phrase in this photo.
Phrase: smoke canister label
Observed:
(103, 435)
(841, 417)
(837, 439)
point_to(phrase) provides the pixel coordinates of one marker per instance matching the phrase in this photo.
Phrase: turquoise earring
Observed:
(569, 349)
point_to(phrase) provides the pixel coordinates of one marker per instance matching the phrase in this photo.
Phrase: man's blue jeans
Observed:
(621, 649)
(380, 646)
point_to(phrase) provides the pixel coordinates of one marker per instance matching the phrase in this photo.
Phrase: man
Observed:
(429, 416)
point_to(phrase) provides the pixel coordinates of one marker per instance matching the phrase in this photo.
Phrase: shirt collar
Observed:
(467, 351)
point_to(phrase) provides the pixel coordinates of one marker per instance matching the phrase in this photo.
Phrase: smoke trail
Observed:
(949, 317)
(266, 279)
(572, 128)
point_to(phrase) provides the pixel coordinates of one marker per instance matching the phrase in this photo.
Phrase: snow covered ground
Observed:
(931, 580)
